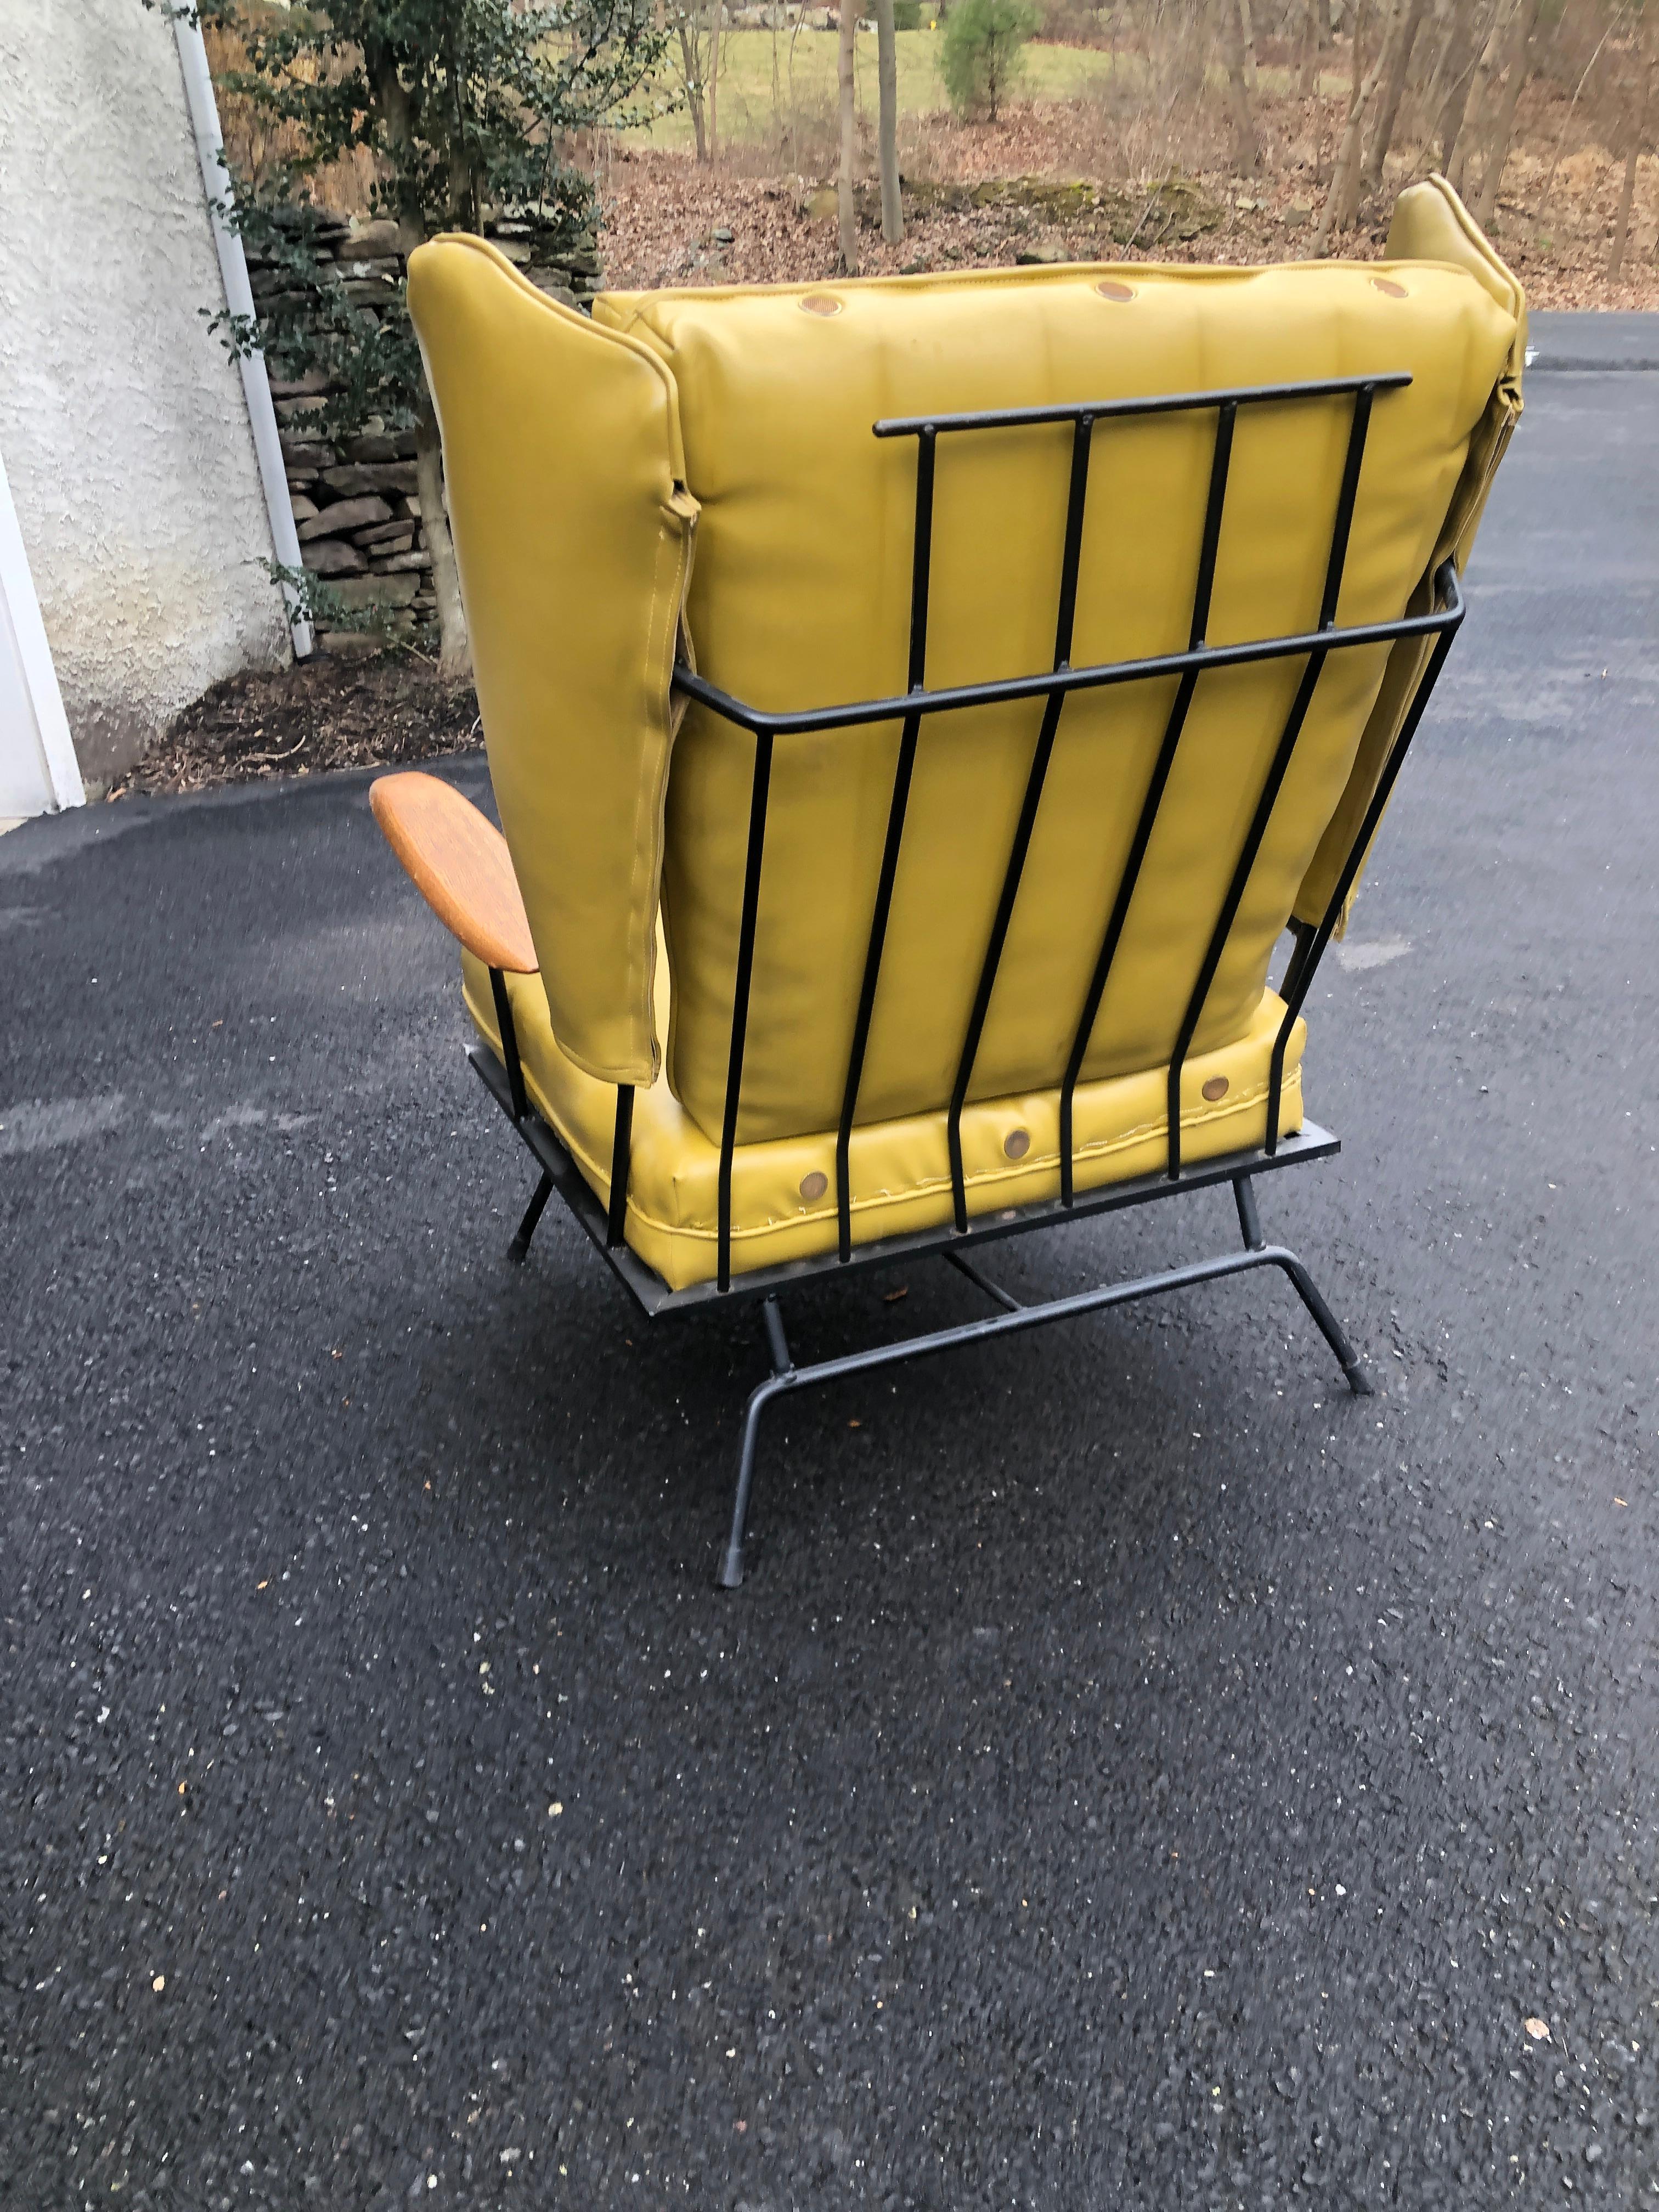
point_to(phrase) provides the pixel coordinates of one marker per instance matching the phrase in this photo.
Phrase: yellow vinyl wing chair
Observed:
(916, 709)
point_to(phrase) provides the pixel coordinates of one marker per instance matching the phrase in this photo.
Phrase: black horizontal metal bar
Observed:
(1167, 403)
(654, 1299)
(814, 720)
(1034, 1317)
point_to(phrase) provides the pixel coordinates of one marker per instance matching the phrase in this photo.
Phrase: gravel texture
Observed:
(1134, 1774)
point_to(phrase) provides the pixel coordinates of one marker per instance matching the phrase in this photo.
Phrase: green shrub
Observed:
(907, 14)
(980, 53)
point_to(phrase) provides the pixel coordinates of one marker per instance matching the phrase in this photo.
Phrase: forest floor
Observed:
(1060, 176)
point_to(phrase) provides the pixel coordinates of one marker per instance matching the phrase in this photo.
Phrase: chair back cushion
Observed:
(800, 597)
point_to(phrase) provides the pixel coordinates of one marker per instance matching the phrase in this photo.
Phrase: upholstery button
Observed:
(1110, 288)
(814, 1185)
(1016, 1144)
(820, 303)
(1387, 285)
(1216, 1087)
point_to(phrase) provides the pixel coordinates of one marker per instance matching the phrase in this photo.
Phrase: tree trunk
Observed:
(1459, 68)
(694, 89)
(1247, 147)
(1474, 117)
(716, 8)
(455, 651)
(847, 79)
(1621, 221)
(1342, 201)
(1638, 131)
(1246, 27)
(1307, 82)
(892, 210)
(1502, 124)
(1394, 85)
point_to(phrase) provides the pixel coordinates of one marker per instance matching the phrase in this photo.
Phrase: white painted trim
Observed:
(239, 298)
(34, 657)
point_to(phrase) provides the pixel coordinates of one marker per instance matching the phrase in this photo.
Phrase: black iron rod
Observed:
(994, 1291)
(1042, 753)
(1312, 952)
(616, 1213)
(1222, 930)
(1346, 493)
(814, 720)
(509, 1036)
(1220, 463)
(759, 788)
(1173, 403)
(920, 560)
(1203, 588)
(1359, 425)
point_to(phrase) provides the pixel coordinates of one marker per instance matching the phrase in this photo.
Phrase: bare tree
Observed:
(1393, 88)
(892, 210)
(1342, 201)
(1247, 144)
(1501, 129)
(1463, 45)
(685, 19)
(1246, 26)
(1473, 117)
(1640, 103)
(846, 72)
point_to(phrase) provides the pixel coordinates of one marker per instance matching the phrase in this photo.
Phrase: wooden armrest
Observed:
(457, 860)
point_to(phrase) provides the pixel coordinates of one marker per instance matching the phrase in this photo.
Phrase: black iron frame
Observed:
(605, 1224)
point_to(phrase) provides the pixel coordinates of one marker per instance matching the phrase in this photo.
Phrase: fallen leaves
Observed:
(1537, 2029)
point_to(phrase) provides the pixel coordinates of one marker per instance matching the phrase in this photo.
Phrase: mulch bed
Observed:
(324, 712)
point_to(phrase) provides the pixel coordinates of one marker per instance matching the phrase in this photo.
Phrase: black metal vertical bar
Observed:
(509, 1036)
(759, 788)
(1281, 760)
(1311, 950)
(1077, 496)
(617, 1213)
(1203, 588)
(1302, 934)
(921, 562)
(1358, 427)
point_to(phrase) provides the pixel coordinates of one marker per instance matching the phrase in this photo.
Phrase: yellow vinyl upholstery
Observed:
(578, 456)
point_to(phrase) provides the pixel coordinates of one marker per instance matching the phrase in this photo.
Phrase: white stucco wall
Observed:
(123, 423)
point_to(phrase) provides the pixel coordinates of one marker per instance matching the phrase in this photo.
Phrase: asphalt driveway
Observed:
(1134, 1774)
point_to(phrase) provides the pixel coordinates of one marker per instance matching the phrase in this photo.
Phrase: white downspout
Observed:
(239, 298)
(44, 702)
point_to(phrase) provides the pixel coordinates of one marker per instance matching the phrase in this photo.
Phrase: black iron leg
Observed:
(781, 1378)
(1330, 1327)
(532, 1213)
(1249, 1222)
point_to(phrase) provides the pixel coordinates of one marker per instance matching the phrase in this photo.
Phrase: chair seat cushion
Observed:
(783, 1190)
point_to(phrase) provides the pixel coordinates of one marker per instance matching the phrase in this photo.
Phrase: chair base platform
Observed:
(654, 1297)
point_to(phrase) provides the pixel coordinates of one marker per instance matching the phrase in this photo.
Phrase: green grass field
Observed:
(805, 81)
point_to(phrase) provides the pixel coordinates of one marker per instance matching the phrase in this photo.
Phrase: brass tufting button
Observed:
(1110, 287)
(1389, 288)
(820, 303)
(1016, 1144)
(813, 1185)
(1216, 1088)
